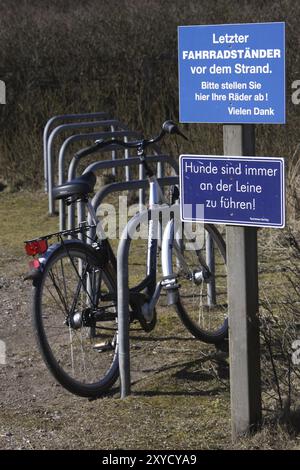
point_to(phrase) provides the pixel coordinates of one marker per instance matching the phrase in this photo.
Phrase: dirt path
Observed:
(177, 401)
(180, 393)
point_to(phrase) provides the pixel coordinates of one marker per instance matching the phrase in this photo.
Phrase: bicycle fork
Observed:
(173, 242)
(169, 281)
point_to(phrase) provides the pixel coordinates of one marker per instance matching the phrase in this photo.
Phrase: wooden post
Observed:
(244, 348)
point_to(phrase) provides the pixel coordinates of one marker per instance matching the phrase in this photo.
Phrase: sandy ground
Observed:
(180, 386)
(178, 400)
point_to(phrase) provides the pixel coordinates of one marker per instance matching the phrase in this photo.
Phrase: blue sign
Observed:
(232, 190)
(232, 73)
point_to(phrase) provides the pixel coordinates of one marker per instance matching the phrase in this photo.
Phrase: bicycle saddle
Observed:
(78, 187)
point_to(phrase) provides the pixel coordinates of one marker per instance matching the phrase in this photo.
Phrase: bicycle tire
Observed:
(219, 333)
(42, 312)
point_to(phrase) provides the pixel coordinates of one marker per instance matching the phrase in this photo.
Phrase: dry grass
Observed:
(121, 57)
(118, 56)
(180, 387)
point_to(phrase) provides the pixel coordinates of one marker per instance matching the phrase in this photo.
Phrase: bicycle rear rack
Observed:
(85, 227)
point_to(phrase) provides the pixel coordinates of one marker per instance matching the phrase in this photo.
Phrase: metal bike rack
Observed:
(75, 160)
(124, 186)
(123, 292)
(160, 169)
(123, 296)
(63, 117)
(210, 261)
(159, 158)
(122, 269)
(58, 130)
(141, 185)
(124, 134)
(104, 164)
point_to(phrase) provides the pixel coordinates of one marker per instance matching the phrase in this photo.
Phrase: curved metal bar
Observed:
(75, 160)
(54, 133)
(123, 308)
(124, 186)
(132, 161)
(104, 164)
(123, 297)
(62, 117)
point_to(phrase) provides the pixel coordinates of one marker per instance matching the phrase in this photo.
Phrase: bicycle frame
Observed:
(156, 201)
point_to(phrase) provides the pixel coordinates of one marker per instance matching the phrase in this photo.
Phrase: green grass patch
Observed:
(23, 216)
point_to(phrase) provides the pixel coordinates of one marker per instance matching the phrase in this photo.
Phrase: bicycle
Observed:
(75, 289)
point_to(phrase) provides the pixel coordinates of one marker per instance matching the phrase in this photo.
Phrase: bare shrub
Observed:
(293, 185)
(120, 57)
(280, 327)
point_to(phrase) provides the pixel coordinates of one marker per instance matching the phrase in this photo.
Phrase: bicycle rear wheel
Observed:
(202, 303)
(75, 319)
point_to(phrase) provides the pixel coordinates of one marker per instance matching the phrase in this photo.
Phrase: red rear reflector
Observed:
(36, 247)
(34, 264)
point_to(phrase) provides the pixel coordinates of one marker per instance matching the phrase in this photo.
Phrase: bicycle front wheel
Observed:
(75, 320)
(202, 303)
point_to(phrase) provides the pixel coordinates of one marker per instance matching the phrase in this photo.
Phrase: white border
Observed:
(234, 122)
(228, 158)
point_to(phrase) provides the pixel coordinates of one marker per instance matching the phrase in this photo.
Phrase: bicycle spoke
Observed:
(72, 289)
(199, 315)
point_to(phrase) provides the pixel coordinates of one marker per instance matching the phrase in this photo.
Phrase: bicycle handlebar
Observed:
(168, 127)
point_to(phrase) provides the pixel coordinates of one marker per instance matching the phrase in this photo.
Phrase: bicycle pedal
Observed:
(103, 347)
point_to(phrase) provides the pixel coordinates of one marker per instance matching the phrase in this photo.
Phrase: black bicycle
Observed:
(75, 288)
